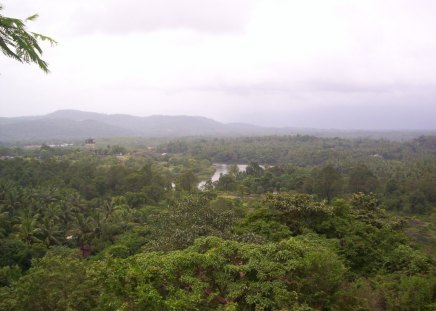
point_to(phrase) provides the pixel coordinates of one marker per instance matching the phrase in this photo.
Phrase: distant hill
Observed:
(74, 124)
(62, 129)
(78, 125)
(158, 126)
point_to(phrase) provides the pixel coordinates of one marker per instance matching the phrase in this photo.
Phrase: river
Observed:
(223, 169)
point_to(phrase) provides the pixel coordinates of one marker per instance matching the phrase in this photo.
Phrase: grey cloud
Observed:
(315, 86)
(376, 116)
(276, 64)
(115, 16)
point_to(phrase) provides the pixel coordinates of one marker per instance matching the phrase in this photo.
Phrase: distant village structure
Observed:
(90, 143)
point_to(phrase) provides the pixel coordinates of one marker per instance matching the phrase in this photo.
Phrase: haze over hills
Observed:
(75, 124)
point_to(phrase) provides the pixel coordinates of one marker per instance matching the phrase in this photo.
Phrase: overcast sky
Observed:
(309, 63)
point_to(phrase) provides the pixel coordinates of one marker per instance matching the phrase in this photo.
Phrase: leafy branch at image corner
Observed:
(22, 45)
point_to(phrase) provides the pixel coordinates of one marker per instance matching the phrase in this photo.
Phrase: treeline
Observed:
(298, 150)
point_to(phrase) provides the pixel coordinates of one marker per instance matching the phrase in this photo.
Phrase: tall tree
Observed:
(254, 169)
(328, 183)
(188, 181)
(28, 228)
(362, 179)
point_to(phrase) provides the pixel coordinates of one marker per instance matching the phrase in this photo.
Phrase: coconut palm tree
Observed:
(11, 199)
(28, 228)
(4, 222)
(50, 231)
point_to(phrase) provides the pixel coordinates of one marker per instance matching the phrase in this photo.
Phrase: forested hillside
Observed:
(309, 224)
(74, 124)
(78, 125)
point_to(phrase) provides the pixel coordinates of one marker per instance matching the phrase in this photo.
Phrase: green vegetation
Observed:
(311, 224)
(18, 43)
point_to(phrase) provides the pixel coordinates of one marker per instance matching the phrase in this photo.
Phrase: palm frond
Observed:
(17, 43)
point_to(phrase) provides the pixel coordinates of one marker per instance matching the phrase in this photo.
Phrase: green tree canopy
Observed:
(328, 183)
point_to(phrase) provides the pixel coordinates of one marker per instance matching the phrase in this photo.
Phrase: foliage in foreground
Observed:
(212, 273)
(232, 246)
(18, 43)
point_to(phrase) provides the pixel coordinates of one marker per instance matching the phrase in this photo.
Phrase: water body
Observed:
(222, 169)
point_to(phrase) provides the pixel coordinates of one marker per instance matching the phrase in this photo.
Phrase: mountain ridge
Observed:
(76, 124)
(69, 124)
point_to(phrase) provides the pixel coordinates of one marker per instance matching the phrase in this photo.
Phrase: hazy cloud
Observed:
(120, 17)
(81, 17)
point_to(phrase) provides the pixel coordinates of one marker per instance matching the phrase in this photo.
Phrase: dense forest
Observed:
(310, 224)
